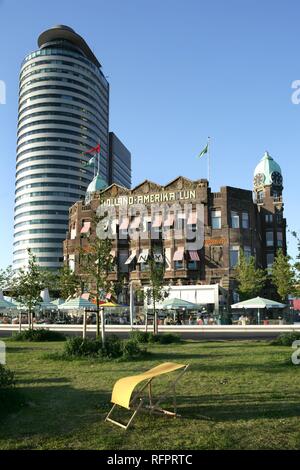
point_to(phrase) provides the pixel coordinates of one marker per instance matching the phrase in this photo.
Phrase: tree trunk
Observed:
(102, 326)
(97, 317)
(84, 325)
(155, 329)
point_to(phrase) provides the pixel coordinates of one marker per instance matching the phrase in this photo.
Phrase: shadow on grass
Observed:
(50, 411)
(222, 408)
(42, 380)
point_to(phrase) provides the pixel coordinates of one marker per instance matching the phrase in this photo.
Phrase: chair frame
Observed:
(138, 402)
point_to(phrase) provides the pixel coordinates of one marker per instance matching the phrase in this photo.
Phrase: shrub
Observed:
(113, 348)
(131, 349)
(39, 334)
(147, 337)
(78, 347)
(140, 336)
(165, 338)
(7, 377)
(286, 339)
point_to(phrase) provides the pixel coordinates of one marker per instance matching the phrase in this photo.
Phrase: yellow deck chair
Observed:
(123, 389)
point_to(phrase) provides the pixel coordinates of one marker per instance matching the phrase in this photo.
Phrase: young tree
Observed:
(27, 285)
(5, 277)
(95, 264)
(156, 291)
(68, 282)
(283, 275)
(297, 265)
(251, 279)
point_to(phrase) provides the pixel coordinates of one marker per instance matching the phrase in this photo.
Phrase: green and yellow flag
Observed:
(203, 151)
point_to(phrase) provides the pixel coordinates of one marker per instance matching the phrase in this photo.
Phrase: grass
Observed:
(236, 395)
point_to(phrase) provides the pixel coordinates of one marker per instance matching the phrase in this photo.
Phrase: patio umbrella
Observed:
(109, 304)
(47, 305)
(77, 303)
(258, 303)
(176, 304)
(58, 302)
(6, 304)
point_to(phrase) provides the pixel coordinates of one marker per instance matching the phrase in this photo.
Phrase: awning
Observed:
(124, 224)
(143, 257)
(157, 221)
(131, 258)
(192, 219)
(86, 227)
(169, 221)
(135, 223)
(178, 255)
(194, 255)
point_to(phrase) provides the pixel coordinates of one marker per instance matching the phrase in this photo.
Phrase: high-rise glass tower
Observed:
(63, 111)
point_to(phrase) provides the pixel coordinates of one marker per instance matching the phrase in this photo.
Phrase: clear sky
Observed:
(179, 70)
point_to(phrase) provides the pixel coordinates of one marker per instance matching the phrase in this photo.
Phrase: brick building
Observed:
(230, 220)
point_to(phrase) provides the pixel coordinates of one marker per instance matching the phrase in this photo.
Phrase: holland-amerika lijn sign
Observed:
(152, 198)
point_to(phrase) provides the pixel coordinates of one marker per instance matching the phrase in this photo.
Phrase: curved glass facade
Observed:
(63, 110)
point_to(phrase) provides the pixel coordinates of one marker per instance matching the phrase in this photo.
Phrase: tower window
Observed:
(235, 220)
(270, 238)
(279, 239)
(260, 196)
(247, 252)
(216, 219)
(269, 218)
(270, 261)
(234, 255)
(245, 220)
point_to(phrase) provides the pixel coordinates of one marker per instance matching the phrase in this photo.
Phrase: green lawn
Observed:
(236, 395)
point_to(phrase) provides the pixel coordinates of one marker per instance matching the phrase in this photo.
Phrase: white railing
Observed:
(164, 328)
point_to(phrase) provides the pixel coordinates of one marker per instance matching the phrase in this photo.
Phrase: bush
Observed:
(147, 337)
(39, 334)
(7, 377)
(286, 339)
(78, 347)
(131, 349)
(113, 348)
(165, 338)
(140, 336)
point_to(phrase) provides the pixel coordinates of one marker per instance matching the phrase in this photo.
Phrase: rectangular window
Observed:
(269, 218)
(270, 261)
(192, 265)
(260, 196)
(178, 264)
(234, 256)
(216, 219)
(235, 220)
(279, 239)
(245, 220)
(123, 256)
(247, 252)
(270, 238)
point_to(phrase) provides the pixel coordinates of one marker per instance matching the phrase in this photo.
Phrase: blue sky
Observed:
(179, 70)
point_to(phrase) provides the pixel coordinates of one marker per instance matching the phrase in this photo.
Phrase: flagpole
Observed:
(208, 160)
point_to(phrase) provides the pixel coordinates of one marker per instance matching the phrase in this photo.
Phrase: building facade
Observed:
(63, 111)
(228, 221)
(119, 162)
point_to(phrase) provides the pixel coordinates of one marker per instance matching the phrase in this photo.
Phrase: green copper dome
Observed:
(267, 172)
(97, 184)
